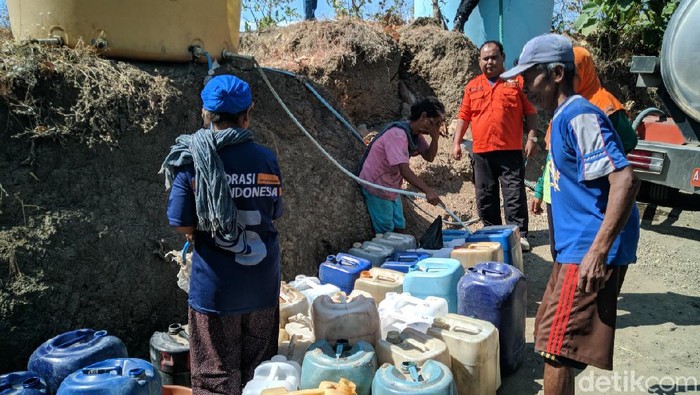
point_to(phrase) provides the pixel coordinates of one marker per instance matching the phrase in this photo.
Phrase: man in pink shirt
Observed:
(386, 159)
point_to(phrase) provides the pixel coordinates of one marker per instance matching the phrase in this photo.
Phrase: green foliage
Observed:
(268, 13)
(565, 14)
(638, 21)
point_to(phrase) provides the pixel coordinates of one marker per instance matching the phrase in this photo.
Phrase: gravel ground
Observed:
(656, 348)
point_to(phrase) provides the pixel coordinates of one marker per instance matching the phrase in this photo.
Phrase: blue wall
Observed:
(522, 20)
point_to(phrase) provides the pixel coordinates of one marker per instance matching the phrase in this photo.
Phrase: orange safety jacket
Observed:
(495, 113)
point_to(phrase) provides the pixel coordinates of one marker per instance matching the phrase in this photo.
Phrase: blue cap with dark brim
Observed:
(547, 48)
(226, 93)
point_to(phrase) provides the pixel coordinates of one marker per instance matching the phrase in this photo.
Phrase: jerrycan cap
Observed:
(137, 373)
(341, 345)
(410, 367)
(440, 323)
(278, 358)
(492, 269)
(174, 329)
(365, 274)
(393, 337)
(406, 365)
(357, 244)
(32, 382)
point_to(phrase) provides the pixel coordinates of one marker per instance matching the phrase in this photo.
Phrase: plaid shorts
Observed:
(226, 349)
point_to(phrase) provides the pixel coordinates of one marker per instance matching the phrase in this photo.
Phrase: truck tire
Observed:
(657, 193)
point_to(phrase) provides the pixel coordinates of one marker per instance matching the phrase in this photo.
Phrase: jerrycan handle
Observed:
(106, 370)
(83, 336)
(346, 260)
(382, 277)
(468, 329)
(408, 258)
(488, 272)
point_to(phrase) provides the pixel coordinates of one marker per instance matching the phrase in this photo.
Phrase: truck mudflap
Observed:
(671, 165)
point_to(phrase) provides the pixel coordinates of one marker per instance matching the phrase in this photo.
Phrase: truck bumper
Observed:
(674, 166)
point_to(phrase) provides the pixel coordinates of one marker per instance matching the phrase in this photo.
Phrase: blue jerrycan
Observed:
(62, 355)
(22, 383)
(118, 376)
(497, 293)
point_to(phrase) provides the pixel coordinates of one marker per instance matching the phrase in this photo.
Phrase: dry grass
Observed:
(320, 45)
(60, 93)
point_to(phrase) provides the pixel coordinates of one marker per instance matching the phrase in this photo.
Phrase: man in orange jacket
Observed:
(495, 109)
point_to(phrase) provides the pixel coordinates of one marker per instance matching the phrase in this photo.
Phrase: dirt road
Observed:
(657, 347)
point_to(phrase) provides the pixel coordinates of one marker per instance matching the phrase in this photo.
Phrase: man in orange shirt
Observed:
(495, 109)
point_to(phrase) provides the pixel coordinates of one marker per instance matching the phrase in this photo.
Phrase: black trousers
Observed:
(465, 9)
(508, 167)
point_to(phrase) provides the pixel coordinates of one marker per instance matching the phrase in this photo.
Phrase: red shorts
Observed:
(574, 328)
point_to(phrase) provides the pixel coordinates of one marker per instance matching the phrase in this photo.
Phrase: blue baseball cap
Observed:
(547, 48)
(226, 93)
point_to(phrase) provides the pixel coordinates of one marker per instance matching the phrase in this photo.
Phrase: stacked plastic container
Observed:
(342, 387)
(22, 383)
(469, 254)
(398, 241)
(378, 282)
(399, 311)
(62, 355)
(403, 261)
(292, 302)
(433, 378)
(411, 346)
(473, 347)
(276, 373)
(311, 287)
(353, 319)
(340, 359)
(509, 238)
(435, 277)
(296, 337)
(373, 252)
(497, 292)
(120, 376)
(170, 355)
(342, 270)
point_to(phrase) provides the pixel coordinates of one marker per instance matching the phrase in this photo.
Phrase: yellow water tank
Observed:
(161, 30)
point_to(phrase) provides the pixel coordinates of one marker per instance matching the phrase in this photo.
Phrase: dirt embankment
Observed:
(82, 225)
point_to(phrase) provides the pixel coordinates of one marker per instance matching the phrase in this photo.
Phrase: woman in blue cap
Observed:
(226, 192)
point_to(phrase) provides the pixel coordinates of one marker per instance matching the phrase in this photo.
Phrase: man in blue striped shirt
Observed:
(595, 218)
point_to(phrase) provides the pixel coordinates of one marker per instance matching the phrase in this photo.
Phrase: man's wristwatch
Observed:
(533, 139)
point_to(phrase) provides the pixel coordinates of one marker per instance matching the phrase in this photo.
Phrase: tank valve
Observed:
(100, 43)
(55, 40)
